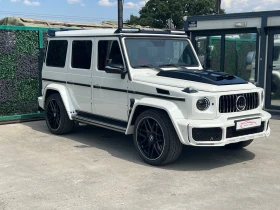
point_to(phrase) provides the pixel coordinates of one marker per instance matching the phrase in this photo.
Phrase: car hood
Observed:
(203, 80)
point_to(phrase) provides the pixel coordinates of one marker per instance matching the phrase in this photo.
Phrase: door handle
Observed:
(97, 86)
(70, 82)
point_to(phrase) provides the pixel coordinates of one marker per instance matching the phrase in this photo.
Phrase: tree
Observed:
(157, 12)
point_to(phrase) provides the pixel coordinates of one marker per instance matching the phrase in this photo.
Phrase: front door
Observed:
(110, 97)
(79, 73)
(273, 70)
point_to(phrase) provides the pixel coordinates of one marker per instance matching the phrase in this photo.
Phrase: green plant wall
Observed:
(216, 55)
(236, 57)
(20, 65)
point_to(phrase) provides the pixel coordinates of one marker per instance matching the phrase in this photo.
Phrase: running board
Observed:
(100, 121)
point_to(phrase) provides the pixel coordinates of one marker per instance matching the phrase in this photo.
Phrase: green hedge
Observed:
(19, 70)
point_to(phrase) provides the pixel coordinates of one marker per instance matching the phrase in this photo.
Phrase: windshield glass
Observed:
(155, 52)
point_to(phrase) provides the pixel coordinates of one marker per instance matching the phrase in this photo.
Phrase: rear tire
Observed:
(156, 139)
(239, 145)
(57, 118)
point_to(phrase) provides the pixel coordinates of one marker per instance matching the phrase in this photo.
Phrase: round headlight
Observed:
(203, 104)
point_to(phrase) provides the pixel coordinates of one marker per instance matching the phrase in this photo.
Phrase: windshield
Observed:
(160, 52)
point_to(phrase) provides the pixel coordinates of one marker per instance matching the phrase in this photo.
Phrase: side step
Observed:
(105, 122)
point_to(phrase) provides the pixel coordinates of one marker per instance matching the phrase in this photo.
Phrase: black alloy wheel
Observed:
(57, 118)
(150, 138)
(53, 114)
(155, 138)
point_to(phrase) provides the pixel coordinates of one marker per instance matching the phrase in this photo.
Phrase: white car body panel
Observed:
(109, 96)
(62, 90)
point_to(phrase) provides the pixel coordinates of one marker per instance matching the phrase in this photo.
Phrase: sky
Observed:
(99, 10)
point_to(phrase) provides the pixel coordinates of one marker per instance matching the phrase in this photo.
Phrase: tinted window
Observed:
(109, 52)
(81, 54)
(57, 51)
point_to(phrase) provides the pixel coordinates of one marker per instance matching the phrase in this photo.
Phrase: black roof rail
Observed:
(149, 31)
(127, 30)
(51, 32)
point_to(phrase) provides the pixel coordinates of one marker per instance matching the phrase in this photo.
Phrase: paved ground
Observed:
(99, 169)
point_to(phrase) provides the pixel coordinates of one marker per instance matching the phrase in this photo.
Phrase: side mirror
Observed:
(114, 69)
(250, 57)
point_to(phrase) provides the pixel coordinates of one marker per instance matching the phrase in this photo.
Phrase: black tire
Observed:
(238, 145)
(156, 139)
(57, 118)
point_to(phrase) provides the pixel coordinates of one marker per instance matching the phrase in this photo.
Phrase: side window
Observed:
(57, 51)
(109, 52)
(81, 54)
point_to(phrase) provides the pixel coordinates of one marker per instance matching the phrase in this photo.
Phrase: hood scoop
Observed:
(204, 76)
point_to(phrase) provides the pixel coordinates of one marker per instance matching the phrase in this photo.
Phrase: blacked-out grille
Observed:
(232, 132)
(207, 134)
(227, 103)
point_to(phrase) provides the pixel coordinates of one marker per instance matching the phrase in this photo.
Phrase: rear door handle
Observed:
(70, 82)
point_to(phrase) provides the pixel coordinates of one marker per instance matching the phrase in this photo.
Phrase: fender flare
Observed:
(61, 89)
(169, 107)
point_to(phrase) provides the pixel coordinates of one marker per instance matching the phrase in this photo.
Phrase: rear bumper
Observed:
(41, 102)
(221, 131)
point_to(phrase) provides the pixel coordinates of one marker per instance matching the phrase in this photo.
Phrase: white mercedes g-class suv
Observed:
(149, 84)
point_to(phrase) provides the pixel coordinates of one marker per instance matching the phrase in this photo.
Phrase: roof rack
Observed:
(51, 32)
(138, 30)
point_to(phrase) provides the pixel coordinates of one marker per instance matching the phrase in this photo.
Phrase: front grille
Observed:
(228, 103)
(232, 132)
(207, 134)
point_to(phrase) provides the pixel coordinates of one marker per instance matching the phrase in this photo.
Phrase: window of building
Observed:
(57, 51)
(109, 52)
(240, 55)
(81, 54)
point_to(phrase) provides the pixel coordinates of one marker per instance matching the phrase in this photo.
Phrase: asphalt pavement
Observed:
(94, 168)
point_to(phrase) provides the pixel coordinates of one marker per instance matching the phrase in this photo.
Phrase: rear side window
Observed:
(57, 51)
(81, 54)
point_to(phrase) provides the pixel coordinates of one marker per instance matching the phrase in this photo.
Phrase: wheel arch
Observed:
(62, 91)
(170, 108)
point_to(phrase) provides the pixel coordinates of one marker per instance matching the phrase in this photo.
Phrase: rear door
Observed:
(79, 73)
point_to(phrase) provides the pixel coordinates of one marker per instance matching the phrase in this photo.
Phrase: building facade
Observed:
(244, 44)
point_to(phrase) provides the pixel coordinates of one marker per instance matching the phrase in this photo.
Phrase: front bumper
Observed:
(221, 131)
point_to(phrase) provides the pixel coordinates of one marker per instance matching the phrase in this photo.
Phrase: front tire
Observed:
(57, 118)
(239, 145)
(156, 139)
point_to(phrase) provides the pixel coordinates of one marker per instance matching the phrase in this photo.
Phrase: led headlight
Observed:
(203, 104)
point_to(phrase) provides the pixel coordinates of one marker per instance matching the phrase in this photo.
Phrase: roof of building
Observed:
(31, 22)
